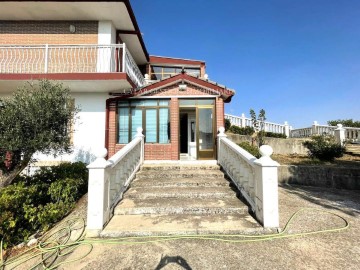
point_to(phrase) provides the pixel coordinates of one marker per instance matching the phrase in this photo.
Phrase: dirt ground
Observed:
(338, 250)
(346, 160)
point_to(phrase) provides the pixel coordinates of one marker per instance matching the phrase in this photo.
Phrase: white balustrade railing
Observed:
(109, 179)
(256, 179)
(242, 121)
(301, 132)
(351, 134)
(69, 59)
(132, 69)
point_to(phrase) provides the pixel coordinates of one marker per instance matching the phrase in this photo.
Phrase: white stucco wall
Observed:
(89, 129)
(106, 33)
(106, 36)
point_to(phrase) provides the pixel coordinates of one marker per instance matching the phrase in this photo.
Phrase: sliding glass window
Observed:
(152, 115)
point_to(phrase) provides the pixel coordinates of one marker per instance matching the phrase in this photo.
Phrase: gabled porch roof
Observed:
(205, 85)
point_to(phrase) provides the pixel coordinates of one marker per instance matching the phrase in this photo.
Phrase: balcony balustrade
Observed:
(43, 59)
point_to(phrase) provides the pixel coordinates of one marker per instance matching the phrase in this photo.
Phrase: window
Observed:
(195, 102)
(151, 114)
(160, 73)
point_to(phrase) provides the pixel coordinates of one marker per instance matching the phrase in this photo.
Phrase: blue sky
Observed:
(297, 59)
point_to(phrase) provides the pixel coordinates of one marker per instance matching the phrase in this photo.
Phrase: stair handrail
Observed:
(109, 179)
(256, 179)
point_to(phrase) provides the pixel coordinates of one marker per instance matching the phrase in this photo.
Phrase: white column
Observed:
(106, 36)
(243, 123)
(106, 33)
(139, 134)
(98, 212)
(266, 189)
(46, 57)
(340, 134)
(287, 129)
(219, 136)
(314, 130)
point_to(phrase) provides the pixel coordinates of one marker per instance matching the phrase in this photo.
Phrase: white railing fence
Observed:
(350, 133)
(109, 179)
(242, 121)
(256, 179)
(69, 59)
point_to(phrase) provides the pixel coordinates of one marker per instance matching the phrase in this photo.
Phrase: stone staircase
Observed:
(353, 149)
(180, 198)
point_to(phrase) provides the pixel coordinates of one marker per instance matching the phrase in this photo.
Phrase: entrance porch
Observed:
(179, 123)
(110, 180)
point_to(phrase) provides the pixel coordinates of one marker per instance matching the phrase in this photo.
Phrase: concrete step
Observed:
(160, 225)
(178, 167)
(180, 174)
(170, 206)
(353, 149)
(180, 182)
(180, 192)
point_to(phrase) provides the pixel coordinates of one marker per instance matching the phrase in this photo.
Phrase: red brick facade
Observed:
(48, 32)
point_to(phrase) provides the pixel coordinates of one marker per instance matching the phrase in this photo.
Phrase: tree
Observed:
(344, 122)
(259, 124)
(37, 118)
(227, 124)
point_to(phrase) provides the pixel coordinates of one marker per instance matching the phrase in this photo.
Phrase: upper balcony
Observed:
(90, 68)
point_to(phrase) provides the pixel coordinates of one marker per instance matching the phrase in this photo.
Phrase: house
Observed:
(135, 105)
(97, 50)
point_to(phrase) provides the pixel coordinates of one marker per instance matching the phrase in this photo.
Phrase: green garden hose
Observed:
(58, 244)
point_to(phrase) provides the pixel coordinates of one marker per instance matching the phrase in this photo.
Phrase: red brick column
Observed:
(112, 128)
(174, 126)
(219, 113)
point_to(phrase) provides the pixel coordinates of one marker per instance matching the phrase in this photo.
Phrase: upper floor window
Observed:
(163, 72)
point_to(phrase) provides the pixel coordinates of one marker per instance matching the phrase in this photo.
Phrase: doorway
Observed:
(184, 133)
(187, 134)
(196, 129)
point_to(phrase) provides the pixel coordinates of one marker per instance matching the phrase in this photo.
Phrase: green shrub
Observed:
(14, 225)
(273, 134)
(242, 130)
(324, 147)
(227, 124)
(254, 150)
(36, 202)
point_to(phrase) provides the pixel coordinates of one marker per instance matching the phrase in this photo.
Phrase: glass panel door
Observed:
(150, 126)
(205, 131)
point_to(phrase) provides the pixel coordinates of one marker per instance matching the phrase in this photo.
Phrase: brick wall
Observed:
(161, 151)
(153, 151)
(112, 149)
(219, 113)
(48, 32)
(174, 125)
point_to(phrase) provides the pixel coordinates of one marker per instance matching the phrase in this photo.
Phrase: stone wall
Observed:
(322, 176)
(280, 146)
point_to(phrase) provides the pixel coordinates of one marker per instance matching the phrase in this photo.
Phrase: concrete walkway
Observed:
(324, 251)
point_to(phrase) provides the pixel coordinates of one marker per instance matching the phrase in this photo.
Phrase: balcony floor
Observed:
(77, 82)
